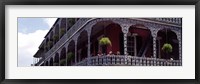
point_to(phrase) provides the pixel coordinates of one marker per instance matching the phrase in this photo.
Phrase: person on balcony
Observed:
(110, 53)
(118, 53)
(99, 53)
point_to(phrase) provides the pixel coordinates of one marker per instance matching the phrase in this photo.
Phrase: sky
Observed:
(31, 32)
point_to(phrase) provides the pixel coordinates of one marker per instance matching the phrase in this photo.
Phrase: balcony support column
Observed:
(125, 44)
(125, 28)
(180, 46)
(154, 35)
(76, 42)
(88, 51)
(154, 31)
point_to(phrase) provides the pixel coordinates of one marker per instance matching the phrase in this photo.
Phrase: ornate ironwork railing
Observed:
(167, 20)
(121, 60)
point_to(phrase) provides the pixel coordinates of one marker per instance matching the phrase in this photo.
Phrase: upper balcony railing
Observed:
(121, 60)
(177, 21)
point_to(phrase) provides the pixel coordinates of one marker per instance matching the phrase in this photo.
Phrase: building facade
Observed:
(133, 42)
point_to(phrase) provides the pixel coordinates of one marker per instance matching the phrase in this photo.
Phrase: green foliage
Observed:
(70, 55)
(63, 61)
(105, 41)
(71, 22)
(50, 43)
(55, 37)
(62, 31)
(167, 48)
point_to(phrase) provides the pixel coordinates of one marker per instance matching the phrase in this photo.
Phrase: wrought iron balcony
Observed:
(121, 60)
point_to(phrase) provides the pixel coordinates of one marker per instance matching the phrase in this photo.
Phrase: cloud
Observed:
(28, 45)
(50, 21)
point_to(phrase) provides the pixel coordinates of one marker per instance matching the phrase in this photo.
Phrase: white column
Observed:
(154, 35)
(180, 47)
(154, 47)
(88, 51)
(125, 28)
(125, 43)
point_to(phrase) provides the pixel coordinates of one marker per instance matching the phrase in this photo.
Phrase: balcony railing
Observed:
(177, 21)
(121, 60)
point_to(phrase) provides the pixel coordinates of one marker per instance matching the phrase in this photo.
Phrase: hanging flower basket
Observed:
(71, 22)
(46, 47)
(105, 41)
(167, 48)
(62, 31)
(50, 43)
(70, 55)
(55, 37)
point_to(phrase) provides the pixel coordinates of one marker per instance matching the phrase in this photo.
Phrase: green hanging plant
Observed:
(70, 55)
(62, 31)
(55, 37)
(46, 47)
(71, 22)
(50, 43)
(167, 48)
(105, 41)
